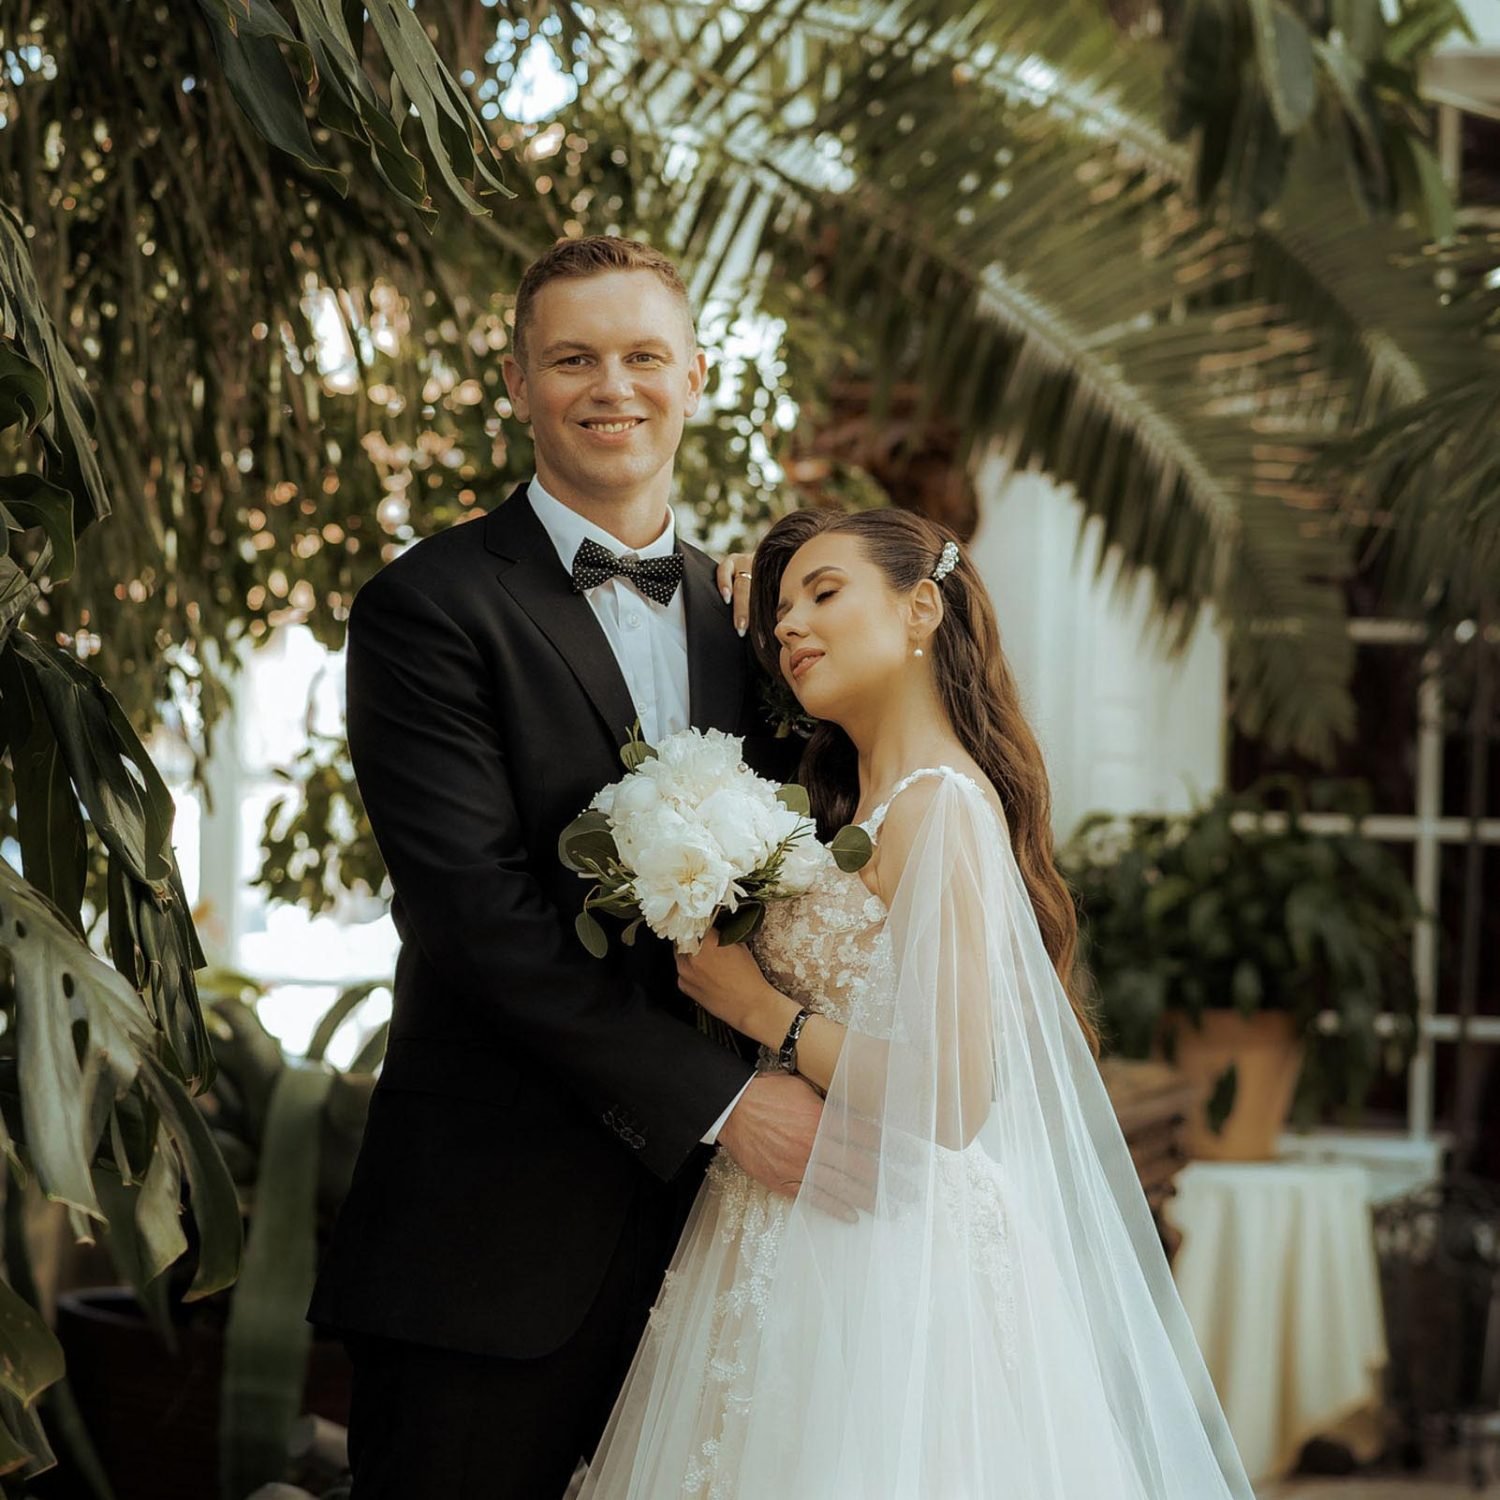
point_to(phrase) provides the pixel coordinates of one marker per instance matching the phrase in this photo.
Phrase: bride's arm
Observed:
(728, 983)
(938, 934)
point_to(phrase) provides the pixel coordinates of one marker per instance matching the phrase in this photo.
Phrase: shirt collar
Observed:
(568, 530)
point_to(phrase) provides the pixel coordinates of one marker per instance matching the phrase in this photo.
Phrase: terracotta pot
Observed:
(1267, 1054)
(154, 1415)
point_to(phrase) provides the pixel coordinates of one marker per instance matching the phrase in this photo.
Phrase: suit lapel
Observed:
(716, 654)
(538, 582)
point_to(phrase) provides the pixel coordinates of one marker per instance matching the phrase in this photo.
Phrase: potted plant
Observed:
(189, 1402)
(1257, 954)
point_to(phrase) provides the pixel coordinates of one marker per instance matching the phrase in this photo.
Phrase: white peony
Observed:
(656, 827)
(680, 883)
(742, 825)
(690, 765)
(636, 797)
(804, 862)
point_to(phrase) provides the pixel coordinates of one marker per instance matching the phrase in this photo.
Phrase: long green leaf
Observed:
(216, 1209)
(262, 84)
(347, 1002)
(30, 1356)
(49, 826)
(268, 1337)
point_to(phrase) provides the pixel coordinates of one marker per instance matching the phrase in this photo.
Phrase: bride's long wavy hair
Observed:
(977, 691)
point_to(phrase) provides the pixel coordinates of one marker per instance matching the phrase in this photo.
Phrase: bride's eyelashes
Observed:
(823, 594)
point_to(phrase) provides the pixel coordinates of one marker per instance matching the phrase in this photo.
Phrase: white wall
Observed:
(1124, 727)
(1483, 17)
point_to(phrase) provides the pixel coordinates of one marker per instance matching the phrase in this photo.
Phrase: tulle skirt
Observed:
(1002, 1398)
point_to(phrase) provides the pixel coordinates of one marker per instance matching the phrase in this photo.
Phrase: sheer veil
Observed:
(1002, 1322)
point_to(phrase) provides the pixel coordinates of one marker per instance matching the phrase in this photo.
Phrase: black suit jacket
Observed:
(529, 1090)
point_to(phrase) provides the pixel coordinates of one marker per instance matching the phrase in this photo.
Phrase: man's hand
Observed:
(734, 585)
(770, 1134)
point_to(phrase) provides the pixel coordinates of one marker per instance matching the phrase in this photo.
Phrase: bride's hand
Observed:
(734, 578)
(726, 981)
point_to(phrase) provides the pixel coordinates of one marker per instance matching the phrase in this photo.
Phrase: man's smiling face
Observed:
(610, 373)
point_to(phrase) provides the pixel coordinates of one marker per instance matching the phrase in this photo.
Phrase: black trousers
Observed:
(435, 1424)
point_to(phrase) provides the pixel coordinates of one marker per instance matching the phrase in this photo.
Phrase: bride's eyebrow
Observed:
(785, 604)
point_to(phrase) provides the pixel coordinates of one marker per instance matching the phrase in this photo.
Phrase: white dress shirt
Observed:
(649, 640)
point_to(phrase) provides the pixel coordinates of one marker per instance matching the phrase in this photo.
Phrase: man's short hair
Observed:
(591, 256)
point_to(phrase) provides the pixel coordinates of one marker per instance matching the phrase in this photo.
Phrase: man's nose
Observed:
(613, 382)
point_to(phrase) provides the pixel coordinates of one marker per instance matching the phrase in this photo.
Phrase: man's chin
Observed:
(607, 474)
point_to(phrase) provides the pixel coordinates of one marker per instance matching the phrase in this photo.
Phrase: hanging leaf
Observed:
(32, 501)
(261, 83)
(31, 1358)
(591, 934)
(23, 389)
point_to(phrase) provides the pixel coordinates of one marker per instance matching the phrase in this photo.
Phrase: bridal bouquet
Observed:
(692, 838)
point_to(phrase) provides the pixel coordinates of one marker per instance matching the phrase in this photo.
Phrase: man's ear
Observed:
(697, 377)
(514, 374)
(925, 611)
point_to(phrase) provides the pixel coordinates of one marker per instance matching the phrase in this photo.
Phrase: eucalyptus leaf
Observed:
(634, 753)
(587, 837)
(591, 934)
(851, 848)
(738, 925)
(795, 797)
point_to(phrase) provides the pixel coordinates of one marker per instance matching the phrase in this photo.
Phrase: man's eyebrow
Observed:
(782, 608)
(570, 346)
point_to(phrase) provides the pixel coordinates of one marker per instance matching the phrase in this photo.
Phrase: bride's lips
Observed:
(802, 661)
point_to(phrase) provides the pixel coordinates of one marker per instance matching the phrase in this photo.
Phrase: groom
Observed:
(542, 1120)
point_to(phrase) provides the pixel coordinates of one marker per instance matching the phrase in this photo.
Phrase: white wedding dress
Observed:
(1000, 1324)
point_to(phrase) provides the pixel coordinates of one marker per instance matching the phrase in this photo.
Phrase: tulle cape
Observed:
(999, 1321)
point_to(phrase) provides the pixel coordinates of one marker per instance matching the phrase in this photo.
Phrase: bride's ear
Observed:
(924, 611)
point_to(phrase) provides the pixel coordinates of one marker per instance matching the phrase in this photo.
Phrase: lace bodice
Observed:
(827, 949)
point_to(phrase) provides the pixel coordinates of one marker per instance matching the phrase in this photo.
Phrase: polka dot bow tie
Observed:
(656, 577)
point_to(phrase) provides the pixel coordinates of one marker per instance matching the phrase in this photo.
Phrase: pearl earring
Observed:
(918, 652)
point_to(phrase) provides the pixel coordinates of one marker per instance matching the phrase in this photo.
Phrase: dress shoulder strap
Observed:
(871, 825)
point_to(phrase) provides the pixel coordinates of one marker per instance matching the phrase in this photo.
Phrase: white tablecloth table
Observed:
(1278, 1273)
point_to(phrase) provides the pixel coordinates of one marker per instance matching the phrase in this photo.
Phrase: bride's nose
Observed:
(788, 630)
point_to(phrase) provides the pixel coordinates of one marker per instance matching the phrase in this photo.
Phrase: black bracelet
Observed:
(787, 1057)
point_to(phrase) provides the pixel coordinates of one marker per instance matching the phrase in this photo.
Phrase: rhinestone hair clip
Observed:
(947, 562)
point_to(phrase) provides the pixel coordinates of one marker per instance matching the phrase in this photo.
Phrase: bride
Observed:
(965, 1297)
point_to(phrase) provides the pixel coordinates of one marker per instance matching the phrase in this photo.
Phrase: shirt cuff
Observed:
(711, 1137)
